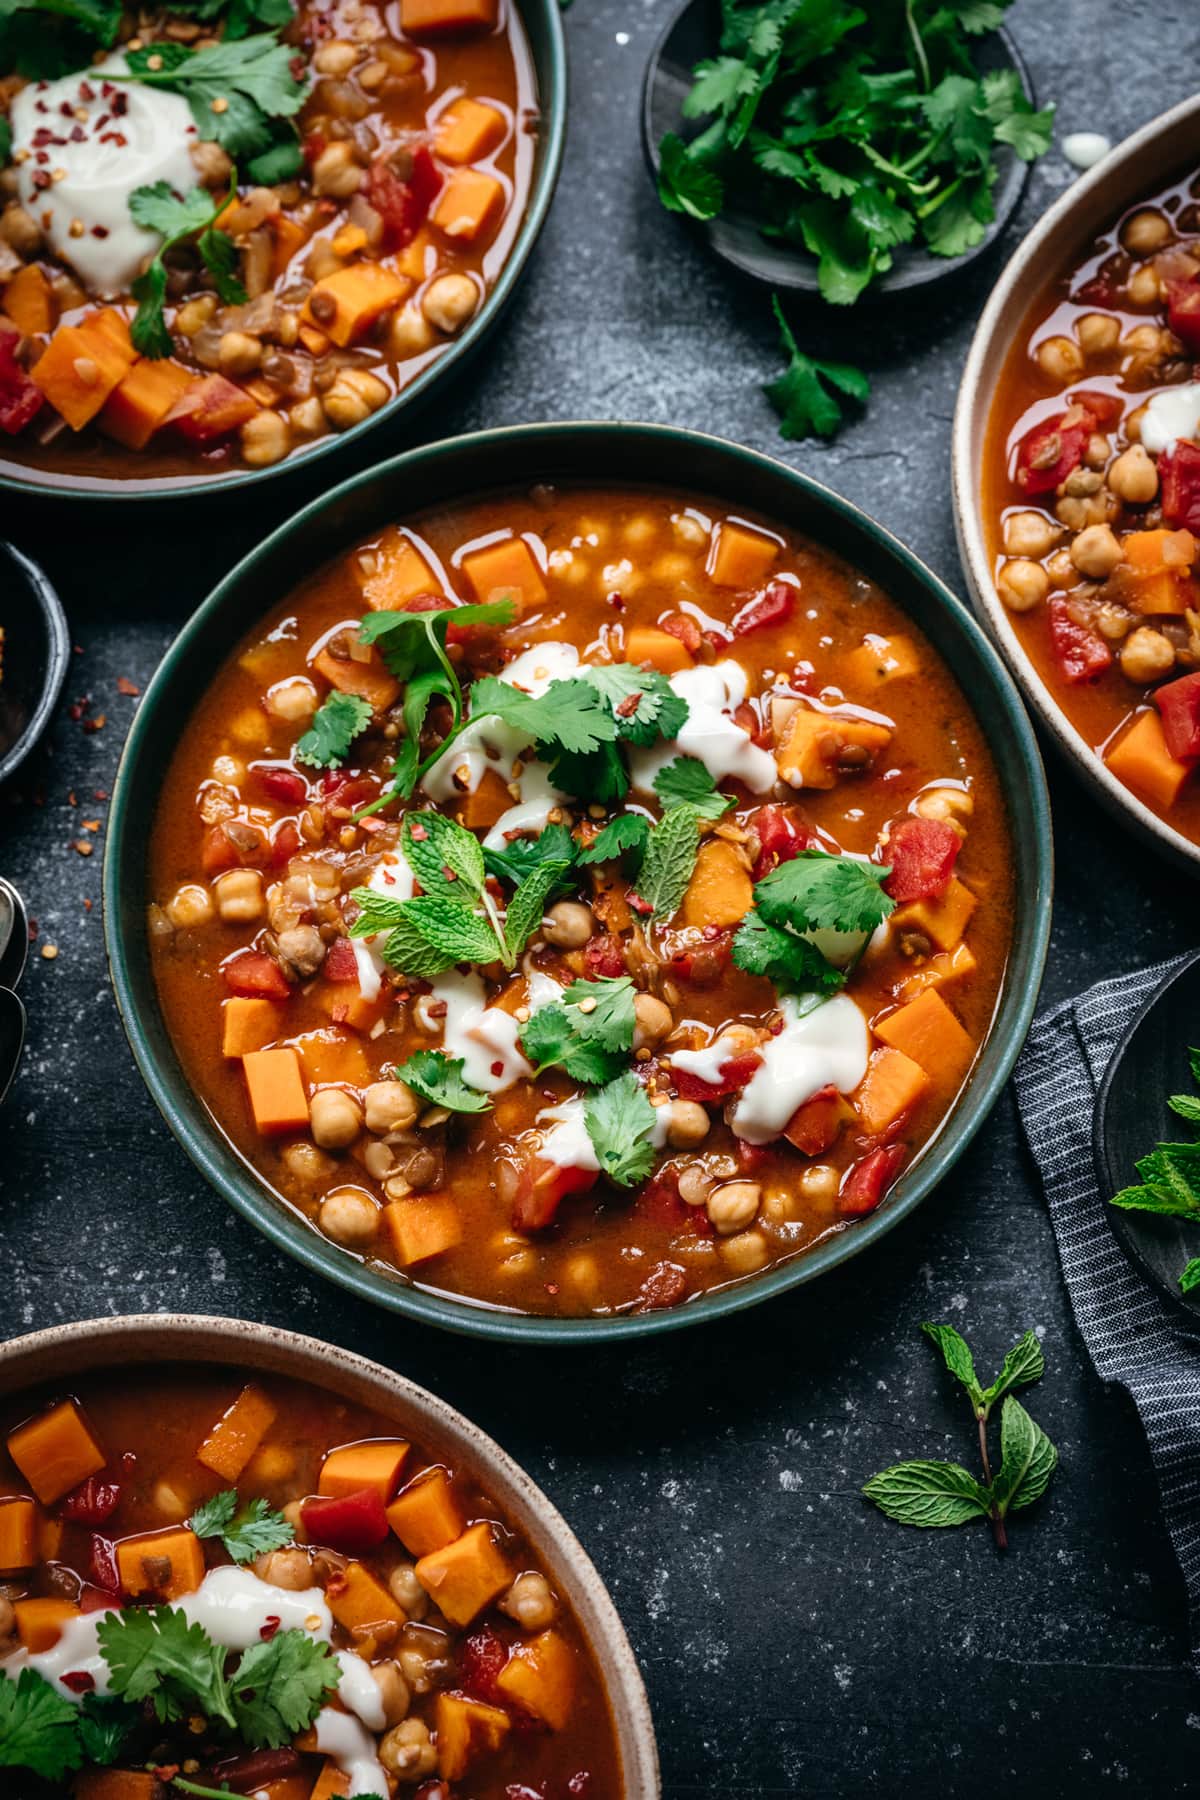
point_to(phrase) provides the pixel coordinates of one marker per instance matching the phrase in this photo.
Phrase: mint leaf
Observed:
(453, 929)
(438, 1078)
(806, 395)
(686, 780)
(376, 912)
(528, 905)
(336, 723)
(957, 1357)
(1029, 1461)
(620, 1123)
(818, 892)
(685, 184)
(1023, 1364)
(666, 870)
(37, 1727)
(444, 856)
(410, 953)
(1191, 1276)
(791, 962)
(928, 1494)
(1187, 1106)
(627, 832)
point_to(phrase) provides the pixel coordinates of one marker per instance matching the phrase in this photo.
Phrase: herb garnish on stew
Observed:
(1170, 1176)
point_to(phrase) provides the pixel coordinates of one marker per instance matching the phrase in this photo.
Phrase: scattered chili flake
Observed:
(33, 930)
(87, 905)
(79, 1681)
(267, 1632)
(100, 794)
(71, 800)
(125, 686)
(83, 846)
(96, 724)
(90, 824)
(79, 707)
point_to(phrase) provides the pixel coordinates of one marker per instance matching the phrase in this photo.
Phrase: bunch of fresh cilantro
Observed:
(44, 39)
(1170, 1176)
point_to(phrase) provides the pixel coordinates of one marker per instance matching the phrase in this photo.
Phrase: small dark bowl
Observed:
(694, 34)
(37, 648)
(1132, 1115)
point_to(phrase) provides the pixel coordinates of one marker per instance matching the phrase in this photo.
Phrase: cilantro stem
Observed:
(206, 1793)
(995, 1515)
(489, 907)
(918, 46)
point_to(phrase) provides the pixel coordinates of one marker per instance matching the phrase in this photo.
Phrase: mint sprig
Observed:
(671, 850)
(1170, 1176)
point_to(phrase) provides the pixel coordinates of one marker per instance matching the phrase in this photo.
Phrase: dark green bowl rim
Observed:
(544, 27)
(249, 1195)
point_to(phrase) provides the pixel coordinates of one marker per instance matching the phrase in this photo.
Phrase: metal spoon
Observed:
(14, 935)
(12, 1038)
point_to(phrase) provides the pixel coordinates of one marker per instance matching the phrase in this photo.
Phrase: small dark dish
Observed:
(694, 34)
(36, 651)
(1132, 1115)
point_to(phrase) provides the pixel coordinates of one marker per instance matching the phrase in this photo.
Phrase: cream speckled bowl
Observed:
(1135, 169)
(68, 1350)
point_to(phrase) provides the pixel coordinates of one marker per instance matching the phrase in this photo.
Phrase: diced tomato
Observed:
(403, 205)
(664, 1286)
(251, 974)
(483, 1656)
(864, 1186)
(1105, 409)
(352, 1523)
(341, 964)
(102, 1566)
(702, 965)
(782, 835)
(752, 1157)
(21, 400)
(814, 1126)
(231, 845)
(1047, 454)
(659, 1200)
(285, 843)
(281, 783)
(312, 146)
(211, 409)
(603, 955)
(542, 1188)
(1081, 654)
(776, 603)
(346, 793)
(1183, 312)
(91, 1502)
(922, 853)
(455, 634)
(684, 627)
(1179, 475)
(733, 1075)
(1179, 704)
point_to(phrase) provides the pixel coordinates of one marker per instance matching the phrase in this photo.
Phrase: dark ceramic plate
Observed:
(37, 649)
(692, 36)
(1132, 1115)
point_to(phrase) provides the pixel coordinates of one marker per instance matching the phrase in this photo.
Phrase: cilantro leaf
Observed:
(620, 1124)
(527, 906)
(246, 1532)
(589, 1033)
(806, 395)
(438, 1078)
(819, 892)
(928, 1494)
(158, 208)
(280, 1685)
(685, 183)
(671, 850)
(104, 1724)
(627, 832)
(567, 716)
(399, 636)
(791, 962)
(37, 1727)
(445, 857)
(155, 1654)
(336, 723)
(644, 704)
(601, 775)
(687, 779)
(520, 857)
(253, 77)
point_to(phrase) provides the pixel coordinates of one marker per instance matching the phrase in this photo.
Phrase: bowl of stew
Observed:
(229, 245)
(1077, 476)
(389, 1602)
(683, 1035)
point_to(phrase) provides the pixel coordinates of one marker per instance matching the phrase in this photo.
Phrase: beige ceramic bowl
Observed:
(69, 1350)
(1134, 170)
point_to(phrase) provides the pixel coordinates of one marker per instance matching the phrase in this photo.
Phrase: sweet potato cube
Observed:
(357, 1599)
(48, 1537)
(421, 1226)
(419, 258)
(468, 204)
(813, 746)
(30, 303)
(486, 804)
(431, 18)
(880, 660)
(277, 1097)
(360, 295)
(343, 1002)
(18, 1535)
(56, 1451)
(400, 574)
(468, 130)
(163, 1563)
(740, 557)
(333, 1056)
(116, 1784)
(720, 891)
(375, 1464)
(426, 1516)
(249, 1025)
(370, 680)
(892, 1085)
(237, 1433)
(657, 649)
(506, 571)
(1142, 761)
(540, 1676)
(465, 1576)
(211, 409)
(79, 369)
(927, 1031)
(331, 1783)
(466, 1729)
(139, 404)
(287, 237)
(941, 971)
(942, 921)
(40, 1623)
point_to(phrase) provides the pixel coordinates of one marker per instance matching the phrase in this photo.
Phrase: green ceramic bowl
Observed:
(542, 20)
(460, 469)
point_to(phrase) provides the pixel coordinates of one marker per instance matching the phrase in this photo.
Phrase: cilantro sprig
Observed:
(241, 91)
(815, 892)
(942, 1493)
(687, 780)
(246, 1531)
(336, 723)
(810, 395)
(43, 39)
(514, 861)
(589, 1033)
(620, 1124)
(1170, 1176)
(438, 1079)
(158, 208)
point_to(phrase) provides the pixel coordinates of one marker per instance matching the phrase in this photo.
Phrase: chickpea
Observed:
(21, 230)
(1142, 286)
(569, 924)
(780, 1206)
(746, 1253)
(410, 332)
(687, 1124)
(273, 1464)
(1146, 655)
(1060, 359)
(249, 728)
(238, 353)
(266, 439)
(689, 531)
(407, 1591)
(530, 1602)
(449, 302)
(211, 164)
(1078, 510)
(240, 896)
(1113, 622)
(169, 1503)
(288, 1569)
(1096, 451)
(1030, 534)
(295, 1519)
(337, 58)
(1133, 478)
(193, 315)
(1060, 569)
(407, 1752)
(1143, 342)
(695, 1184)
(1133, 424)
(818, 1182)
(1023, 585)
(307, 417)
(393, 1691)
(335, 1118)
(733, 1206)
(354, 396)
(390, 1106)
(582, 1273)
(950, 804)
(349, 1216)
(308, 1164)
(335, 172)
(293, 702)
(1145, 232)
(1096, 552)
(229, 769)
(1098, 333)
(654, 1020)
(189, 907)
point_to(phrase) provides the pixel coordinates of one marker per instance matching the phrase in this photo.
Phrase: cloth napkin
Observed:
(1129, 1331)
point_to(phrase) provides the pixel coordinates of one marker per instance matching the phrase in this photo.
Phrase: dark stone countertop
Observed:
(793, 1640)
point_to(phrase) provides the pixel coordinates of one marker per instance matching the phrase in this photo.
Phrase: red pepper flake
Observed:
(552, 1287)
(267, 1632)
(79, 707)
(40, 180)
(615, 601)
(418, 831)
(626, 708)
(33, 931)
(438, 1010)
(79, 1681)
(86, 91)
(71, 800)
(77, 134)
(114, 137)
(99, 231)
(371, 825)
(96, 724)
(638, 904)
(497, 1067)
(120, 104)
(90, 824)
(125, 686)
(166, 1771)
(339, 1014)
(128, 1461)
(87, 905)
(83, 846)
(100, 794)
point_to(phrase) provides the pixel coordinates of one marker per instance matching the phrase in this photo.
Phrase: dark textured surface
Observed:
(793, 1641)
